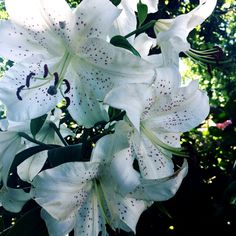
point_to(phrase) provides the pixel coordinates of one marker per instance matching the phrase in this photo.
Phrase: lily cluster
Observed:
(127, 111)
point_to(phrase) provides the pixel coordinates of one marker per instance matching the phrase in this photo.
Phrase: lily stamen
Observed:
(18, 92)
(46, 71)
(67, 86)
(28, 78)
(209, 56)
(56, 79)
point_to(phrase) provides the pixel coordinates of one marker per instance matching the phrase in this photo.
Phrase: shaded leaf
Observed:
(36, 124)
(142, 12)
(116, 2)
(62, 155)
(122, 42)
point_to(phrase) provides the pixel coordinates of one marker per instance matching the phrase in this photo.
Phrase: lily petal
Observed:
(161, 189)
(89, 221)
(59, 228)
(98, 24)
(13, 199)
(133, 98)
(29, 168)
(10, 143)
(143, 44)
(61, 200)
(109, 145)
(153, 164)
(179, 113)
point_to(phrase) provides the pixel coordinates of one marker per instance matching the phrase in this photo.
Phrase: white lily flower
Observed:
(60, 52)
(126, 21)
(172, 33)
(92, 194)
(157, 119)
(134, 184)
(85, 196)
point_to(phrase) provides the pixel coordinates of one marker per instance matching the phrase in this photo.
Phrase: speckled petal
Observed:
(180, 112)
(17, 44)
(93, 19)
(101, 67)
(63, 190)
(41, 21)
(84, 106)
(153, 162)
(122, 212)
(133, 98)
(171, 139)
(117, 65)
(89, 220)
(35, 100)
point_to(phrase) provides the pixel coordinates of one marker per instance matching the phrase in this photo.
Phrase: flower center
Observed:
(57, 78)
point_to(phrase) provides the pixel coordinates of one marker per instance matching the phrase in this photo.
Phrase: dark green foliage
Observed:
(36, 124)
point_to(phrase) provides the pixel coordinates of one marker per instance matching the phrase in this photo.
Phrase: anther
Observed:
(56, 78)
(28, 78)
(67, 101)
(52, 90)
(18, 92)
(45, 67)
(67, 85)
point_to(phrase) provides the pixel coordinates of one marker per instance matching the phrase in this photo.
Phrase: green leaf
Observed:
(142, 12)
(29, 224)
(58, 156)
(116, 2)
(36, 124)
(122, 42)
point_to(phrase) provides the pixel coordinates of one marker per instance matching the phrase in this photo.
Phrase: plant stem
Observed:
(58, 133)
(141, 29)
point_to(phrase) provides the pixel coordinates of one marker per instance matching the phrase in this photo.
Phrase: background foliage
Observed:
(206, 201)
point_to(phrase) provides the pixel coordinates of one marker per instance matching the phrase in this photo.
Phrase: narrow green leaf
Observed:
(122, 42)
(36, 124)
(29, 224)
(62, 155)
(116, 2)
(142, 12)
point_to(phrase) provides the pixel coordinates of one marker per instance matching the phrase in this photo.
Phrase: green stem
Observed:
(26, 136)
(58, 133)
(99, 195)
(141, 29)
(158, 143)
